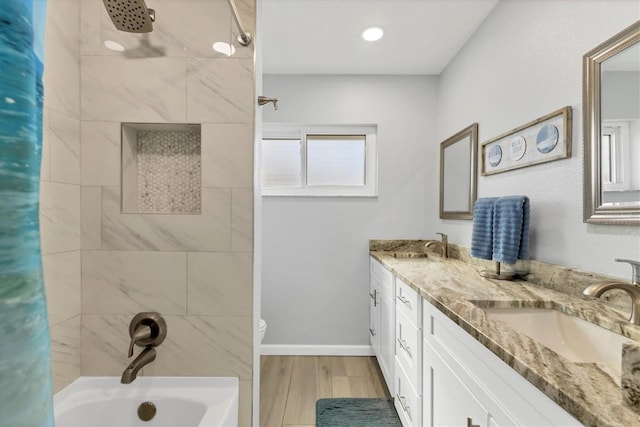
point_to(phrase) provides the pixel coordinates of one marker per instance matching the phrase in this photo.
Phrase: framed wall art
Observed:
(542, 140)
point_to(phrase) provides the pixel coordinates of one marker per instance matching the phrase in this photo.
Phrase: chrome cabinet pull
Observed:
(403, 300)
(401, 400)
(470, 423)
(374, 297)
(404, 346)
(373, 334)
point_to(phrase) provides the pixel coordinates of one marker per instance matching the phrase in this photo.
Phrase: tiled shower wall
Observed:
(60, 187)
(103, 266)
(196, 270)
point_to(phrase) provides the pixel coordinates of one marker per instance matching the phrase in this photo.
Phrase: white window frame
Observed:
(291, 131)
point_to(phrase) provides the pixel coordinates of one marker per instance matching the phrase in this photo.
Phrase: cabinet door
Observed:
(374, 316)
(446, 399)
(409, 347)
(387, 333)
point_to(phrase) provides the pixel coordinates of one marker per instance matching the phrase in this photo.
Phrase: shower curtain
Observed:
(25, 359)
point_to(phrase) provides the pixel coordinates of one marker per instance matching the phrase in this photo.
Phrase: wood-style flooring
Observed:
(290, 385)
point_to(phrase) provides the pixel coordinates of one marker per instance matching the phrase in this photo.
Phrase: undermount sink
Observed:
(575, 339)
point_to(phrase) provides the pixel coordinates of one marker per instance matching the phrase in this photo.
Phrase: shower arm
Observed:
(245, 37)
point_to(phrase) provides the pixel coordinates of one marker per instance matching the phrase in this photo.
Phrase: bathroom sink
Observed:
(575, 339)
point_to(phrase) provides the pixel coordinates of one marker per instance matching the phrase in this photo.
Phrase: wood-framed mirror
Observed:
(458, 171)
(611, 106)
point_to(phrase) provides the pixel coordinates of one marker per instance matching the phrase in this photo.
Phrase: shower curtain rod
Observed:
(245, 37)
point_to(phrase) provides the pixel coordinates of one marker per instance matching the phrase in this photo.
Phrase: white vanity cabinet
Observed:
(465, 384)
(408, 361)
(438, 374)
(382, 317)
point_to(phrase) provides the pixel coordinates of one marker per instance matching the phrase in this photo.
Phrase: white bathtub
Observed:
(179, 402)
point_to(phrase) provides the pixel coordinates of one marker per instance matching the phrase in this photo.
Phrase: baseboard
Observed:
(316, 350)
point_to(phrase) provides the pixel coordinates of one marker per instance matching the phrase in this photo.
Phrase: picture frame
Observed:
(542, 140)
(458, 172)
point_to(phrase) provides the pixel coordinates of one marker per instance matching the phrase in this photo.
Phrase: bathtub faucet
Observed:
(148, 330)
(145, 357)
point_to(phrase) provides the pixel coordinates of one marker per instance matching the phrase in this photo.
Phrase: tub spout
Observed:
(147, 356)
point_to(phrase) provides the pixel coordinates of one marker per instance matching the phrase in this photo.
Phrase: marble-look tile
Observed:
(133, 90)
(91, 217)
(90, 11)
(62, 52)
(62, 285)
(209, 231)
(205, 346)
(105, 342)
(45, 164)
(220, 284)
(131, 282)
(64, 138)
(242, 219)
(65, 352)
(59, 217)
(182, 29)
(220, 90)
(194, 346)
(100, 153)
(227, 155)
(245, 404)
(247, 12)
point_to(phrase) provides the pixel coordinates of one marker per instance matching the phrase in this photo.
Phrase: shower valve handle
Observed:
(147, 329)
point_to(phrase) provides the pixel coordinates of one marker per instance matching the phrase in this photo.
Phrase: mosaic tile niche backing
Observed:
(167, 172)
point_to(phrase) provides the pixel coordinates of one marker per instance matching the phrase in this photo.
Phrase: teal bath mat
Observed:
(350, 412)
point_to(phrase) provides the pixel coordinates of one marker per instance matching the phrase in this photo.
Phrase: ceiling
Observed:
(323, 36)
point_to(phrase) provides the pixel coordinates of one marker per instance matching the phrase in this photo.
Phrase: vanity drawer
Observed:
(379, 272)
(406, 400)
(409, 349)
(407, 301)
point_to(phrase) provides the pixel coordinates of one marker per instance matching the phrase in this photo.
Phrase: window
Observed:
(335, 160)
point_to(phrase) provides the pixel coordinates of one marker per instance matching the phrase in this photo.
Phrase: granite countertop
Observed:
(590, 392)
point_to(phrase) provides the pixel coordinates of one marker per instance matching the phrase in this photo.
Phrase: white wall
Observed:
(315, 279)
(523, 62)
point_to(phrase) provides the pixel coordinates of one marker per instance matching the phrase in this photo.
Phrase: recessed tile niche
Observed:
(161, 168)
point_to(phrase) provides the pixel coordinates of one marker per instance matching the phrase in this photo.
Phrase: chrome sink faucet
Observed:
(442, 245)
(633, 290)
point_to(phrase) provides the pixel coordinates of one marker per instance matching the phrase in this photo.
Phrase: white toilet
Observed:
(263, 329)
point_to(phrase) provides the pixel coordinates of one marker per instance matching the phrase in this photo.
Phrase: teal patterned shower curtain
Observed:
(25, 354)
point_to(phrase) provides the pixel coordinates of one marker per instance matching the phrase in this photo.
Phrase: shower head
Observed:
(130, 15)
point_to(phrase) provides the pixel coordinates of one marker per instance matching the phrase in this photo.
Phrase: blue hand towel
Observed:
(482, 234)
(511, 229)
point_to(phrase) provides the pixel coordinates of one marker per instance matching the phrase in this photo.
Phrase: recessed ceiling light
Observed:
(372, 34)
(224, 48)
(110, 44)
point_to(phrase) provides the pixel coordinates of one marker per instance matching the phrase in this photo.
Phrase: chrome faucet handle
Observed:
(635, 270)
(444, 237)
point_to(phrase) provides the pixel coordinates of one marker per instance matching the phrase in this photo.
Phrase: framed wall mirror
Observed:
(611, 105)
(458, 170)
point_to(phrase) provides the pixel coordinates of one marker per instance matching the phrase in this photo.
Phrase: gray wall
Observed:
(315, 280)
(523, 62)
(526, 61)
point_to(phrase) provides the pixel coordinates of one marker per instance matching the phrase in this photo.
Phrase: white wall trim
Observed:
(316, 350)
